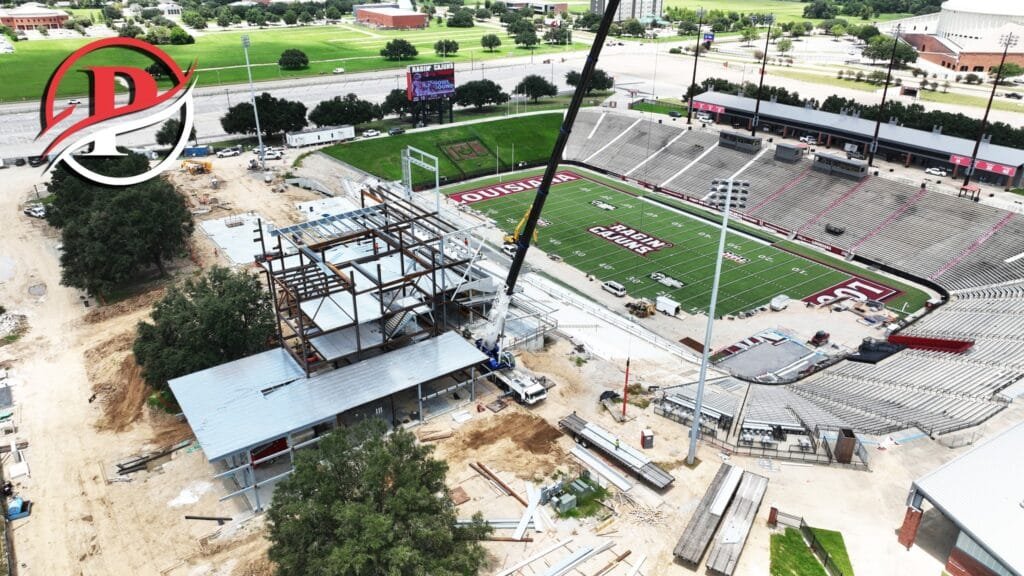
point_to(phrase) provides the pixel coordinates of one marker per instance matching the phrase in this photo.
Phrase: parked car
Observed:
(935, 171)
(35, 211)
(396, 131)
(854, 156)
(338, 71)
(808, 139)
(674, 113)
(703, 117)
(74, 101)
(36, 161)
(229, 152)
(273, 155)
(1014, 95)
(370, 133)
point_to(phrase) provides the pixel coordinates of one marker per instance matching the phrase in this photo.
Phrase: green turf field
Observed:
(792, 557)
(23, 75)
(533, 137)
(569, 213)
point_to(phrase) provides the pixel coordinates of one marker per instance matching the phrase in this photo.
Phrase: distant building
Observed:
(980, 493)
(640, 9)
(169, 9)
(964, 35)
(32, 15)
(538, 7)
(389, 16)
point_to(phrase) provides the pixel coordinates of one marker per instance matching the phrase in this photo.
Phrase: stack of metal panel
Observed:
(701, 528)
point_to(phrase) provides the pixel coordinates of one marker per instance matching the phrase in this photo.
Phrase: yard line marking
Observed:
(687, 167)
(599, 120)
(662, 149)
(613, 140)
(1013, 259)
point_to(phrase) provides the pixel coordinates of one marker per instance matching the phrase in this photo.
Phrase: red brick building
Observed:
(979, 493)
(389, 17)
(32, 15)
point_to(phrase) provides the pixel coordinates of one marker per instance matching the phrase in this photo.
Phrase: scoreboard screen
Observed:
(430, 81)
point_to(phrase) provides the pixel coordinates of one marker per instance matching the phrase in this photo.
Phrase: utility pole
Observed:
(873, 147)
(252, 98)
(760, 84)
(696, 56)
(1008, 41)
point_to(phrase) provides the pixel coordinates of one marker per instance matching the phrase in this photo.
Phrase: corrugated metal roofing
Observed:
(981, 491)
(229, 412)
(898, 137)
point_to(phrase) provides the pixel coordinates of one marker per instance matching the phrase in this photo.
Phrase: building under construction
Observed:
(372, 306)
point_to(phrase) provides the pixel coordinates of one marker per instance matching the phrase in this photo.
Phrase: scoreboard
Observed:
(430, 81)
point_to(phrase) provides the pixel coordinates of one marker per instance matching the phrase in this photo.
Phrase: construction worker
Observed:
(616, 443)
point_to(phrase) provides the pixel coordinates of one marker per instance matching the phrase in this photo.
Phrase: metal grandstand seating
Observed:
(603, 128)
(723, 163)
(801, 202)
(635, 146)
(676, 157)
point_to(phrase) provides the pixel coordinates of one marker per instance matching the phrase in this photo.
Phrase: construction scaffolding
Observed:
(357, 281)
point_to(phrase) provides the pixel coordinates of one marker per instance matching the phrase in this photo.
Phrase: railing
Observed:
(819, 550)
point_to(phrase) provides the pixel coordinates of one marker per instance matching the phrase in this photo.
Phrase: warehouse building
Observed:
(642, 10)
(390, 17)
(32, 15)
(981, 493)
(538, 6)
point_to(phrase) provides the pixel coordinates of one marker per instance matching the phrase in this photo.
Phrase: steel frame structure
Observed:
(338, 261)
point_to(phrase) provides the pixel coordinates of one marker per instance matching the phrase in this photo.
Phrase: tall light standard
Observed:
(1008, 41)
(873, 147)
(696, 56)
(725, 203)
(760, 83)
(252, 99)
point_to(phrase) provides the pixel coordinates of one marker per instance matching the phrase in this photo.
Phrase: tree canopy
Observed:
(111, 235)
(461, 18)
(170, 131)
(366, 503)
(880, 48)
(480, 93)
(527, 38)
(293, 59)
(399, 49)
(349, 109)
(490, 41)
(446, 47)
(396, 102)
(599, 81)
(216, 318)
(535, 86)
(558, 35)
(276, 115)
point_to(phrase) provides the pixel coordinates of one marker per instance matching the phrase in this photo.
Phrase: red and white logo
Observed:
(103, 109)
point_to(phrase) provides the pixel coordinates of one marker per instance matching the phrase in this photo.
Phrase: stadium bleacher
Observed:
(972, 249)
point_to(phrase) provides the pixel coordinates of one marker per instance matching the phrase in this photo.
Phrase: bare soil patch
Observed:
(513, 440)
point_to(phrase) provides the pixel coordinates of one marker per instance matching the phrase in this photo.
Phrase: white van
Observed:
(615, 288)
(509, 250)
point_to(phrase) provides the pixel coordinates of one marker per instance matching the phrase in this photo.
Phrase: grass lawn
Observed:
(784, 10)
(758, 271)
(533, 138)
(822, 79)
(23, 75)
(998, 103)
(792, 557)
(661, 107)
(833, 543)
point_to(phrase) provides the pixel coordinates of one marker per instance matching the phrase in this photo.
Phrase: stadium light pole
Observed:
(696, 56)
(252, 98)
(873, 147)
(699, 401)
(760, 84)
(1008, 41)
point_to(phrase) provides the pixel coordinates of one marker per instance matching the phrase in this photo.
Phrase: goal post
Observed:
(414, 157)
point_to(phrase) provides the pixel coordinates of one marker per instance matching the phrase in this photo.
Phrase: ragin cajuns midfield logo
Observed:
(143, 95)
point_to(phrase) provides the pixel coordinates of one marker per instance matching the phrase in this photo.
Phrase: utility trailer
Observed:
(628, 458)
(314, 136)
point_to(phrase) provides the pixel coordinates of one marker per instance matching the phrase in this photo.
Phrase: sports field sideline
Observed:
(615, 235)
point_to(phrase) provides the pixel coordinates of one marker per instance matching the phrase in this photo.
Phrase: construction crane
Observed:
(490, 343)
(513, 238)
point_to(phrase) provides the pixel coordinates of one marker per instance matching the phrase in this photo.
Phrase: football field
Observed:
(615, 235)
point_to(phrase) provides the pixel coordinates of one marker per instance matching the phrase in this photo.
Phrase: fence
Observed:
(820, 551)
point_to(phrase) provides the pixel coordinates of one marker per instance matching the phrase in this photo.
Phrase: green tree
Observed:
(276, 115)
(398, 49)
(461, 18)
(333, 13)
(73, 196)
(170, 131)
(498, 8)
(527, 38)
(867, 32)
(483, 14)
(749, 34)
(599, 81)
(784, 45)
(480, 93)
(193, 20)
(446, 47)
(633, 27)
(293, 59)
(490, 41)
(123, 232)
(820, 9)
(589, 20)
(396, 102)
(219, 317)
(290, 17)
(1009, 70)
(534, 86)
(837, 31)
(344, 110)
(558, 35)
(880, 48)
(366, 503)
